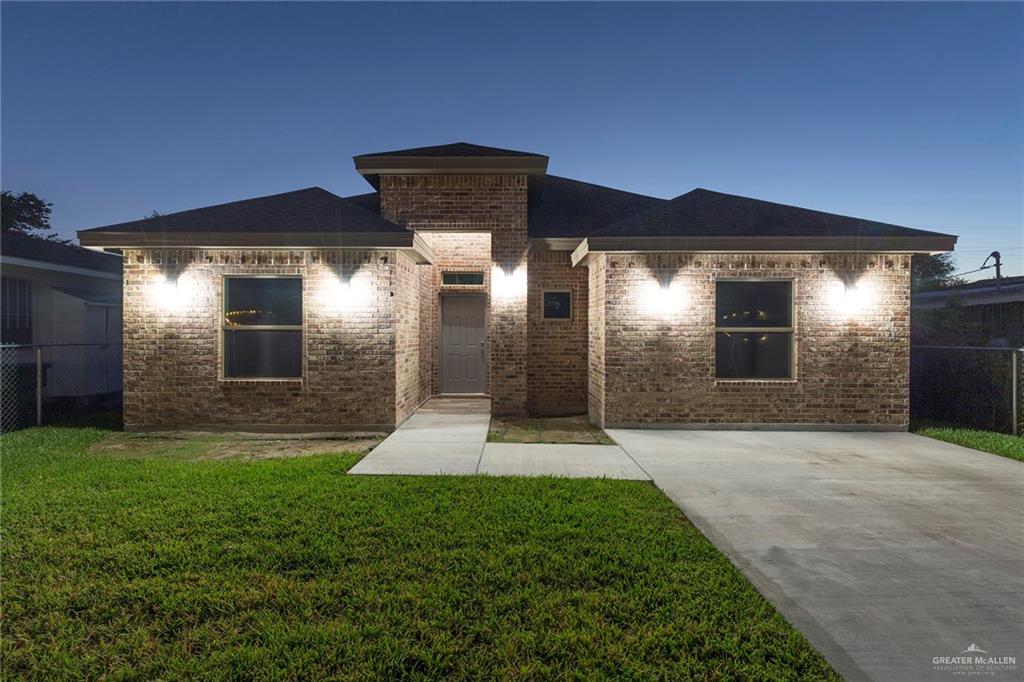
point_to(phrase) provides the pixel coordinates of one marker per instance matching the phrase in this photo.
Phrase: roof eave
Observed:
(410, 242)
(371, 167)
(923, 244)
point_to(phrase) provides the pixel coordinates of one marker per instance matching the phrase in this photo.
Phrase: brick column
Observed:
(509, 324)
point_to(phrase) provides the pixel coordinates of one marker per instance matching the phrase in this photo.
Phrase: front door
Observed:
(462, 344)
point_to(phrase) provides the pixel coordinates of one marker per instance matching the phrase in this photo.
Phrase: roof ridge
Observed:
(745, 209)
(820, 212)
(607, 187)
(439, 149)
(295, 203)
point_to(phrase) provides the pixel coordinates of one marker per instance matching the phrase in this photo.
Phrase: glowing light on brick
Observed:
(508, 285)
(662, 298)
(344, 292)
(852, 299)
(173, 293)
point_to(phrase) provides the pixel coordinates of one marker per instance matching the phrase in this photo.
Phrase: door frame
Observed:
(485, 299)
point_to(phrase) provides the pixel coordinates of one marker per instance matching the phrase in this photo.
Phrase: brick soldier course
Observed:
(636, 347)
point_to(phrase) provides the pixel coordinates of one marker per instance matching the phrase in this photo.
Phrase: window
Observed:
(463, 278)
(262, 327)
(754, 329)
(557, 305)
(15, 310)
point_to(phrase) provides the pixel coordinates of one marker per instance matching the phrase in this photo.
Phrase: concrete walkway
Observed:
(448, 436)
(886, 550)
(445, 436)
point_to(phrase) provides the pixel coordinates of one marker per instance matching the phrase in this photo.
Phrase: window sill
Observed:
(756, 381)
(260, 380)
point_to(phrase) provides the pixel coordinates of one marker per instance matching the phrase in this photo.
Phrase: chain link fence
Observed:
(973, 387)
(54, 383)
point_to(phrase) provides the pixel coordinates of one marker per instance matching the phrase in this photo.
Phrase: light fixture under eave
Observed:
(171, 293)
(851, 299)
(344, 292)
(508, 285)
(662, 298)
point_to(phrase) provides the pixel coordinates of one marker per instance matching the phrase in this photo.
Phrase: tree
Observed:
(26, 213)
(928, 273)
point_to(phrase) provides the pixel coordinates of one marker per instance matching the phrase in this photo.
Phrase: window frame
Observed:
(24, 294)
(482, 283)
(791, 330)
(543, 307)
(224, 328)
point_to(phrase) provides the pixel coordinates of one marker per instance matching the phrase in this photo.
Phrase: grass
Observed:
(164, 568)
(1001, 444)
(218, 446)
(576, 429)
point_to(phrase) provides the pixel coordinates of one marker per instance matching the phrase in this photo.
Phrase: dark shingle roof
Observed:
(560, 207)
(703, 213)
(458, 149)
(305, 210)
(370, 201)
(20, 245)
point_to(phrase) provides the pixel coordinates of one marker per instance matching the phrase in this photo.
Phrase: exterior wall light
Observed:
(851, 299)
(171, 293)
(344, 292)
(508, 285)
(662, 298)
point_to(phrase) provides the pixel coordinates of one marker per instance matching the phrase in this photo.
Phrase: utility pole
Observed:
(999, 268)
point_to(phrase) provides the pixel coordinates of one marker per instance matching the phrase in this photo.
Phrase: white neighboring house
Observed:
(996, 305)
(54, 295)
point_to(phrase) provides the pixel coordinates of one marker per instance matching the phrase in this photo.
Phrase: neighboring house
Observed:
(60, 296)
(470, 270)
(997, 307)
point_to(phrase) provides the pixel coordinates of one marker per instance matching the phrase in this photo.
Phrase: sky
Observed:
(906, 113)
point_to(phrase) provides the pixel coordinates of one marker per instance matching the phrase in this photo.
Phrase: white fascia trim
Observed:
(57, 267)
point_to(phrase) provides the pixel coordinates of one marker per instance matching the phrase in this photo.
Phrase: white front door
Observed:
(462, 344)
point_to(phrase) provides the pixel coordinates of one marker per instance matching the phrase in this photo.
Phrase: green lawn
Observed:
(986, 441)
(159, 568)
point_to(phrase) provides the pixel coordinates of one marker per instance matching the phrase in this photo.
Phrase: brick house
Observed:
(470, 270)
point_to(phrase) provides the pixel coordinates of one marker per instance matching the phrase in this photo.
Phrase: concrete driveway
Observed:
(887, 550)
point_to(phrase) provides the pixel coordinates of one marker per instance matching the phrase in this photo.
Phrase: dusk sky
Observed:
(906, 113)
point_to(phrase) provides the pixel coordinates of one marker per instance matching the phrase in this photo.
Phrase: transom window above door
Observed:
(753, 329)
(262, 327)
(463, 278)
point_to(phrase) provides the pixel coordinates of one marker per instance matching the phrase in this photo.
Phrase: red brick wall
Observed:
(413, 358)
(596, 277)
(557, 360)
(659, 365)
(172, 341)
(494, 204)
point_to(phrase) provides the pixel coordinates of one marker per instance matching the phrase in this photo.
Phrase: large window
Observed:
(262, 327)
(15, 310)
(754, 329)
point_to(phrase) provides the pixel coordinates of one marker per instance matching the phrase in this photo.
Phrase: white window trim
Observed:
(791, 330)
(301, 328)
(543, 310)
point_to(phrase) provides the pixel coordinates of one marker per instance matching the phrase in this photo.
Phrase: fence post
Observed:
(39, 386)
(1015, 401)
